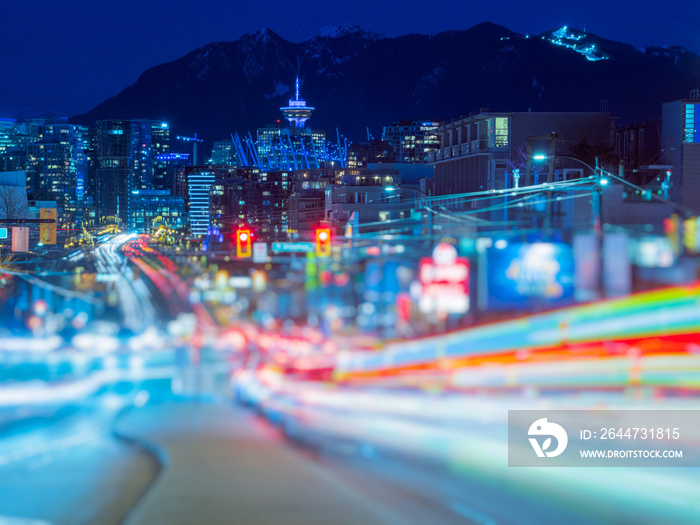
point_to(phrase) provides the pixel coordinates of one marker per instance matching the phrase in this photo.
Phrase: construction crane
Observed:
(195, 140)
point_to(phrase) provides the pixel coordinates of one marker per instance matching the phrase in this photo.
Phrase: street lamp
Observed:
(430, 215)
(600, 182)
(392, 188)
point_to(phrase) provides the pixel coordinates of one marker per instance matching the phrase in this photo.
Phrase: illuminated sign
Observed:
(444, 279)
(3, 233)
(259, 252)
(47, 230)
(292, 247)
(524, 275)
(653, 252)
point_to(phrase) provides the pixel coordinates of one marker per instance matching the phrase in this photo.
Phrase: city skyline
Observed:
(98, 60)
(351, 279)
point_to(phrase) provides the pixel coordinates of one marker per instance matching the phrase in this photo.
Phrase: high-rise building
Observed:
(680, 138)
(13, 142)
(54, 155)
(57, 164)
(412, 140)
(270, 150)
(113, 173)
(173, 172)
(204, 188)
(277, 187)
(7, 131)
(236, 202)
(199, 183)
(223, 154)
(131, 156)
(149, 139)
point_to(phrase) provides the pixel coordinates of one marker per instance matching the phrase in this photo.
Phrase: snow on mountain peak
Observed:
(344, 30)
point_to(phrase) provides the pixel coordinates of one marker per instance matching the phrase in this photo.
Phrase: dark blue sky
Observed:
(69, 55)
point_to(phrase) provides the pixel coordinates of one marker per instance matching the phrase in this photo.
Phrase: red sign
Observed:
(445, 282)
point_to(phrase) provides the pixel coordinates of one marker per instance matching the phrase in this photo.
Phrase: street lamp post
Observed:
(600, 181)
(430, 215)
(597, 211)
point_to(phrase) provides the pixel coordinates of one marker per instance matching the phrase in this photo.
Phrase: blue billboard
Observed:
(530, 276)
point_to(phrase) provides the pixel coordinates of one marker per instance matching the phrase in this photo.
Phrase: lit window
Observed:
(501, 132)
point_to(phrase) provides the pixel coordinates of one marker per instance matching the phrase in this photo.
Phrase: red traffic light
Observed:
(243, 244)
(323, 242)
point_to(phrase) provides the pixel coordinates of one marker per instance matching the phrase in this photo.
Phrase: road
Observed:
(229, 466)
(134, 298)
(370, 458)
(220, 463)
(144, 429)
(65, 466)
(459, 441)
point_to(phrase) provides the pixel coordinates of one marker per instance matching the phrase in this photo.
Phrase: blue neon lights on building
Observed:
(690, 129)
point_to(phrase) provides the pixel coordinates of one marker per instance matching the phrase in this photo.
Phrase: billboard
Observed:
(527, 276)
(444, 279)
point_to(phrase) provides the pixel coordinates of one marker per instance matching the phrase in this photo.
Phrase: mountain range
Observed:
(359, 81)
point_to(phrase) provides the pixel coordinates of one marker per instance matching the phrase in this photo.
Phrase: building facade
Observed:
(149, 204)
(412, 140)
(13, 146)
(365, 193)
(130, 155)
(494, 151)
(223, 154)
(57, 165)
(361, 154)
(113, 181)
(680, 138)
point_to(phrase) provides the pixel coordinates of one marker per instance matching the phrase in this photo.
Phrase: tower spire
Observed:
(297, 112)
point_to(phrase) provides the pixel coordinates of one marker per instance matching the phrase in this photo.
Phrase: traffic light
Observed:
(690, 230)
(323, 242)
(672, 229)
(243, 243)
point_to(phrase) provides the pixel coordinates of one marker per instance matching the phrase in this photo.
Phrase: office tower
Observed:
(223, 154)
(412, 140)
(57, 164)
(113, 173)
(131, 156)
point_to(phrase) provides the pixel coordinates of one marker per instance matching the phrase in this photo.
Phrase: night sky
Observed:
(69, 55)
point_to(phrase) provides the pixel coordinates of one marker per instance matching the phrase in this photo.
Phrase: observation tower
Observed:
(297, 112)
